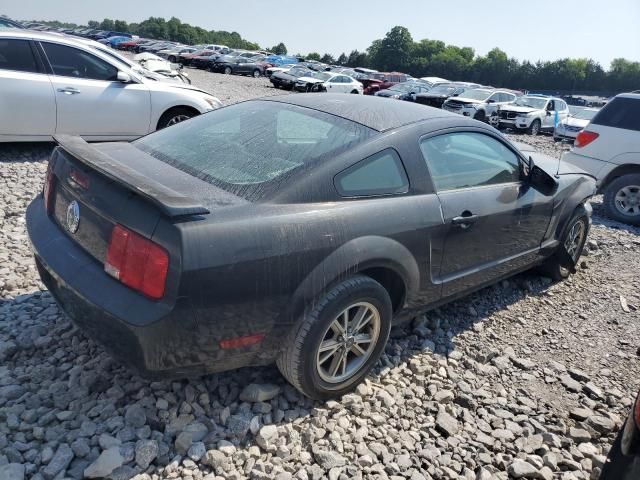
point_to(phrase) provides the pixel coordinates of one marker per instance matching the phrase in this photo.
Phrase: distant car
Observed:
(187, 57)
(569, 128)
(479, 103)
(287, 80)
(433, 81)
(6, 22)
(72, 87)
(439, 93)
(533, 113)
(623, 460)
(329, 82)
(241, 65)
(282, 68)
(384, 80)
(607, 148)
(171, 54)
(404, 91)
(296, 229)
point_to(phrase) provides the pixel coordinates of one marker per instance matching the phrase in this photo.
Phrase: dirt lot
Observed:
(526, 379)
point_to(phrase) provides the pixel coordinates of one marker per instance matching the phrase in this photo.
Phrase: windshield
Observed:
(443, 90)
(584, 114)
(323, 76)
(476, 94)
(407, 87)
(298, 72)
(531, 102)
(251, 147)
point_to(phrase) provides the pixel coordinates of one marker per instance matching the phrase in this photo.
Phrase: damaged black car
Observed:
(294, 229)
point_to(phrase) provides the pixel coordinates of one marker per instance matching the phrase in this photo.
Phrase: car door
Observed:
(27, 100)
(496, 220)
(548, 121)
(90, 100)
(335, 85)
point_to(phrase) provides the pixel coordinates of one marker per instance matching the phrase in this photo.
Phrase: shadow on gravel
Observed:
(54, 365)
(600, 218)
(25, 152)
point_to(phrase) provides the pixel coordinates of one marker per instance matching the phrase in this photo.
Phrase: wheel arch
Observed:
(619, 171)
(191, 108)
(385, 260)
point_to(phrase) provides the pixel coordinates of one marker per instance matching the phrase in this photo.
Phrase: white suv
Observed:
(479, 103)
(52, 83)
(533, 113)
(609, 149)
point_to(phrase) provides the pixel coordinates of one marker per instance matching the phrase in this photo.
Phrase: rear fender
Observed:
(355, 256)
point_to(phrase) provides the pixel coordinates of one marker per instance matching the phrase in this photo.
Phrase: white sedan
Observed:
(569, 128)
(52, 84)
(329, 82)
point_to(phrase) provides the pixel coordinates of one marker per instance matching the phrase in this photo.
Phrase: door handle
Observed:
(69, 90)
(465, 220)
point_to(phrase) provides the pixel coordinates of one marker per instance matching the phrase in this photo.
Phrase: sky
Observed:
(542, 30)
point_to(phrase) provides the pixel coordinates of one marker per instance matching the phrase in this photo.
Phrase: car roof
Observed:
(635, 96)
(368, 110)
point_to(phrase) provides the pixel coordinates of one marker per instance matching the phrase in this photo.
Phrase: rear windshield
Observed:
(249, 148)
(620, 113)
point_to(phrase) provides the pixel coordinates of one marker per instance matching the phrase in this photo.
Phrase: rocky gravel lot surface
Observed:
(525, 379)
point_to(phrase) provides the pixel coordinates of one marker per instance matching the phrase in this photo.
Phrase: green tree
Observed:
(342, 59)
(107, 24)
(93, 24)
(313, 56)
(328, 58)
(279, 49)
(393, 52)
(120, 26)
(357, 59)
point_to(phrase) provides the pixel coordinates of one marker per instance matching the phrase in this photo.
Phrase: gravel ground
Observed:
(525, 379)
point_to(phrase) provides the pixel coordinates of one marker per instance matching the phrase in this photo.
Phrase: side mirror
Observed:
(491, 101)
(548, 113)
(123, 77)
(540, 180)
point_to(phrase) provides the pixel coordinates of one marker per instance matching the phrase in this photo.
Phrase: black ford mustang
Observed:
(293, 229)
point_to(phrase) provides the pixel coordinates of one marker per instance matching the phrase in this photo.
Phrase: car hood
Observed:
(518, 109)
(390, 93)
(311, 80)
(553, 166)
(468, 100)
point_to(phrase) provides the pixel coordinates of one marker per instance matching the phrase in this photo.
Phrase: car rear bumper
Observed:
(594, 167)
(155, 339)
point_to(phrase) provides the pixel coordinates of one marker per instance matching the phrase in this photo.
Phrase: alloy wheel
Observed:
(177, 119)
(575, 239)
(348, 342)
(627, 200)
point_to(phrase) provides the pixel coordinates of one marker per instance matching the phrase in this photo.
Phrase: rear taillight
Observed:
(584, 138)
(49, 189)
(137, 262)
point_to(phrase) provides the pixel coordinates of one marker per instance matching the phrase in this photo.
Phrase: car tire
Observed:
(534, 128)
(175, 115)
(355, 92)
(480, 116)
(554, 267)
(622, 195)
(256, 73)
(228, 70)
(172, 59)
(328, 376)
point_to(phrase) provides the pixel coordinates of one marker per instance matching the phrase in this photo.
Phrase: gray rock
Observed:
(328, 459)
(579, 435)
(106, 441)
(266, 436)
(446, 424)
(135, 416)
(259, 392)
(12, 471)
(593, 391)
(11, 392)
(601, 424)
(196, 451)
(570, 384)
(523, 363)
(146, 452)
(106, 463)
(59, 463)
(216, 459)
(80, 447)
(521, 469)
(183, 442)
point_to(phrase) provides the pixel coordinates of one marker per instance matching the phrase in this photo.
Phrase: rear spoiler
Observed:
(170, 202)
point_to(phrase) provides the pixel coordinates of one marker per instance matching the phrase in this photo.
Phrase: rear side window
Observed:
(72, 62)
(380, 174)
(17, 55)
(620, 113)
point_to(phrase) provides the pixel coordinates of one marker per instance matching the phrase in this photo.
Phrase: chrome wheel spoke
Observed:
(362, 338)
(335, 365)
(358, 350)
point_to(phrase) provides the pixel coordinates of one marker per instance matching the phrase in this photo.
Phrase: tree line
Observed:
(398, 51)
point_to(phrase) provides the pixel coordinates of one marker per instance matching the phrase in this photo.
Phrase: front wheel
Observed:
(622, 199)
(480, 116)
(337, 343)
(174, 116)
(534, 128)
(227, 70)
(572, 243)
(256, 73)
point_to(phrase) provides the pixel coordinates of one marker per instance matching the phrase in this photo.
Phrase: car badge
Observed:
(73, 217)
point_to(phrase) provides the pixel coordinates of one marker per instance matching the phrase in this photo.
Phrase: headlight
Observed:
(213, 101)
(395, 96)
(471, 105)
